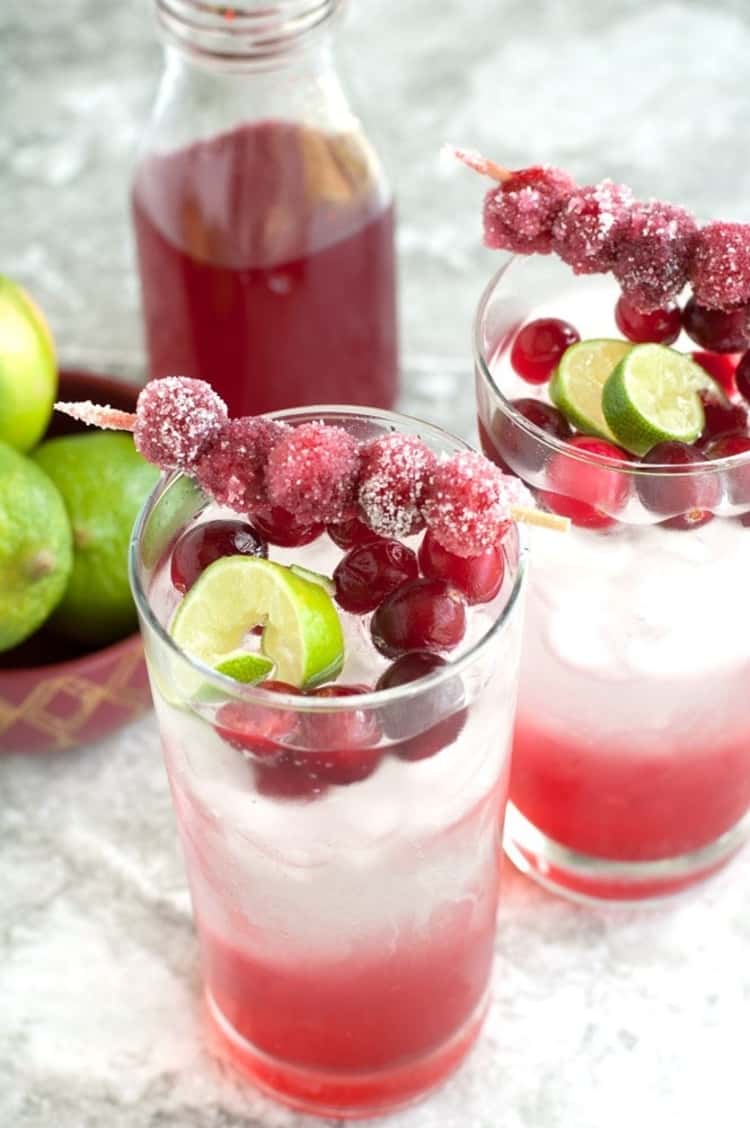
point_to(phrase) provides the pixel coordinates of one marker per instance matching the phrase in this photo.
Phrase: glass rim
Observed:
(255, 694)
(710, 467)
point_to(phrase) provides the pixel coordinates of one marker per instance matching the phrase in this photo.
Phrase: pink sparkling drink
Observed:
(631, 760)
(341, 845)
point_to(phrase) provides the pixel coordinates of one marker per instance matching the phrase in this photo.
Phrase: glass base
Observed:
(343, 1095)
(580, 877)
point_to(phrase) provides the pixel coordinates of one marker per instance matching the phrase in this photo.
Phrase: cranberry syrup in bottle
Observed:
(263, 220)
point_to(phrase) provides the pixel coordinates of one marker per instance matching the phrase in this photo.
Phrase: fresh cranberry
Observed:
(420, 615)
(687, 499)
(713, 329)
(543, 416)
(722, 417)
(348, 534)
(720, 366)
(445, 702)
(286, 779)
(479, 578)
(538, 346)
(510, 440)
(742, 376)
(737, 479)
(259, 729)
(280, 527)
(200, 546)
(340, 746)
(370, 572)
(662, 326)
(586, 492)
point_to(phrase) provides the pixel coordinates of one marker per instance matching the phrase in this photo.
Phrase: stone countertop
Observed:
(599, 1018)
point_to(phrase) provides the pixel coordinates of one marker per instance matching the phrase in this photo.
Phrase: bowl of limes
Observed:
(71, 661)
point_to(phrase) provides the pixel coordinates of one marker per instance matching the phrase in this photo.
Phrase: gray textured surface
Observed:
(598, 1019)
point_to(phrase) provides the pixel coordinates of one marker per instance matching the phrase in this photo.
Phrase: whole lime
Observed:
(104, 482)
(36, 554)
(28, 370)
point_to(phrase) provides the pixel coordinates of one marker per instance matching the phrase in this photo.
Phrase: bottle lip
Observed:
(243, 30)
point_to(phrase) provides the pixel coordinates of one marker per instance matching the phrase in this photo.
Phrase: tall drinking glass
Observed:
(346, 930)
(631, 759)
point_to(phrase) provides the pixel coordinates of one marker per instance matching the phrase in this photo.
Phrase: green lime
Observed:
(28, 369)
(247, 668)
(577, 383)
(314, 577)
(36, 554)
(652, 397)
(104, 482)
(302, 633)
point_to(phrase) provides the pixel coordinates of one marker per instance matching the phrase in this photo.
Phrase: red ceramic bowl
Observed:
(54, 695)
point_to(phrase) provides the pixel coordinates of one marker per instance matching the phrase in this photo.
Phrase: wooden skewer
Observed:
(527, 515)
(98, 415)
(478, 163)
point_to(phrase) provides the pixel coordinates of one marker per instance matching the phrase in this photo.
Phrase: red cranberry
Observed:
(445, 702)
(662, 326)
(479, 578)
(538, 346)
(341, 745)
(722, 417)
(200, 546)
(720, 366)
(420, 615)
(280, 527)
(742, 376)
(687, 499)
(509, 440)
(370, 572)
(350, 533)
(737, 479)
(286, 779)
(586, 492)
(259, 729)
(713, 329)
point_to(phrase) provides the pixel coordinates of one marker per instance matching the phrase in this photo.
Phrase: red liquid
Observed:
(627, 804)
(267, 269)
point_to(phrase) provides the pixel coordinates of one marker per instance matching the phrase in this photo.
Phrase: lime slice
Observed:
(577, 383)
(314, 577)
(245, 668)
(302, 634)
(652, 397)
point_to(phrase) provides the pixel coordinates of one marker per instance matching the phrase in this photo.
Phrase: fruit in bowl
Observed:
(71, 664)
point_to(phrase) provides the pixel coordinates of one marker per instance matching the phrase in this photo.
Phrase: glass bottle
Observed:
(263, 218)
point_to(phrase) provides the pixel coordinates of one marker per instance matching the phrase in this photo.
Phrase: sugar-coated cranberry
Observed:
(340, 746)
(661, 326)
(653, 254)
(722, 417)
(176, 420)
(281, 527)
(479, 578)
(420, 615)
(468, 503)
(538, 347)
(347, 534)
(742, 377)
(720, 265)
(232, 470)
(588, 228)
(687, 499)
(259, 729)
(720, 367)
(395, 472)
(312, 472)
(588, 492)
(370, 572)
(520, 212)
(737, 478)
(200, 546)
(714, 329)
(439, 715)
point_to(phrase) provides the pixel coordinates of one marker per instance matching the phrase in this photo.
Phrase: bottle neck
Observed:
(247, 32)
